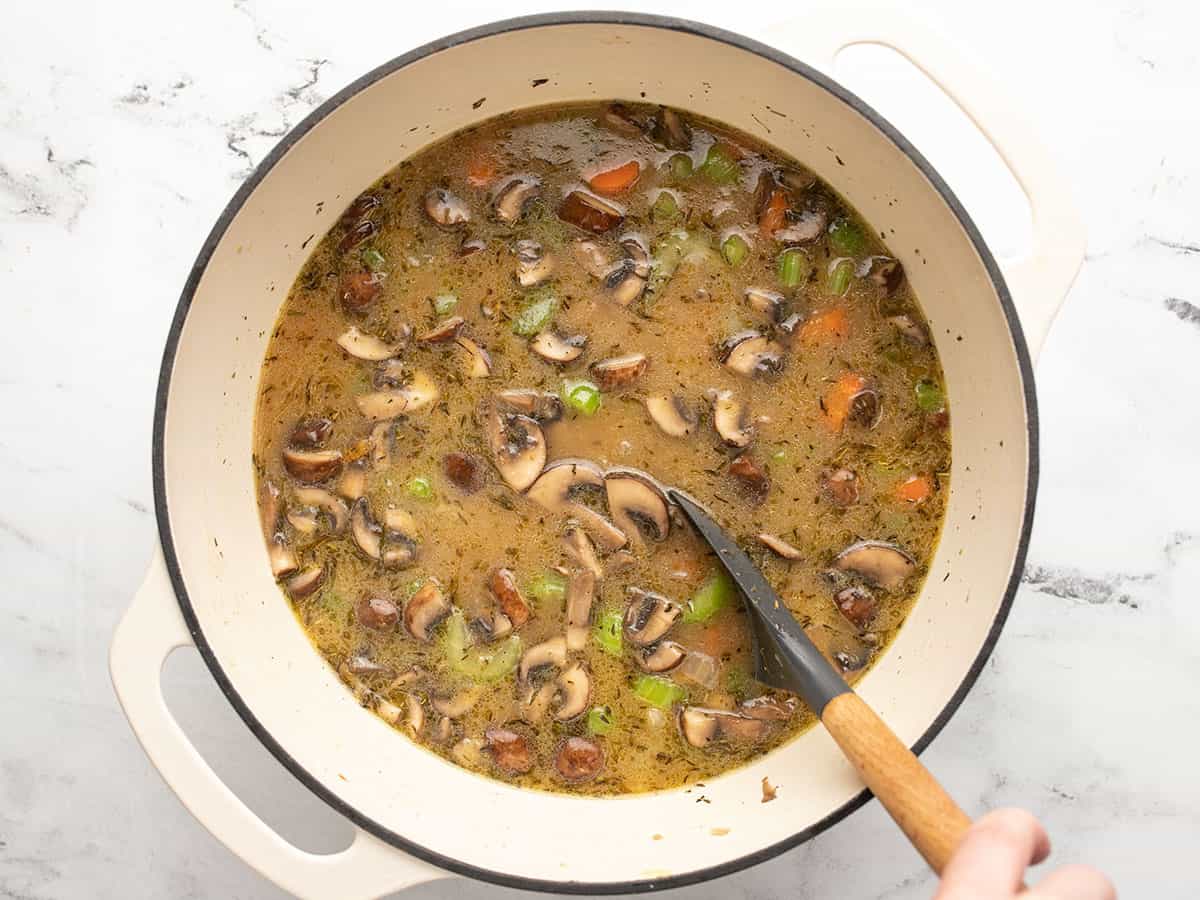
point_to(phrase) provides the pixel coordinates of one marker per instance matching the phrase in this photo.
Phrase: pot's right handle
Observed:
(151, 628)
(1038, 282)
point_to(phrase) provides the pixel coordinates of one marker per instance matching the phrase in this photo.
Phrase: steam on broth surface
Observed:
(485, 369)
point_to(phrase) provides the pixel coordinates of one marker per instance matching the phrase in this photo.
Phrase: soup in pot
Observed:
(487, 370)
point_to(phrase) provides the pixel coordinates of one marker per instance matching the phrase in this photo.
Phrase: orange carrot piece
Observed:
(835, 406)
(481, 171)
(614, 181)
(915, 489)
(826, 326)
(773, 214)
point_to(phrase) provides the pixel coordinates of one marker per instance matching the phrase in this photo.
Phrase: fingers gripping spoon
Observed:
(786, 658)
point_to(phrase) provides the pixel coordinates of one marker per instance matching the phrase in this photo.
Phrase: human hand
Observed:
(990, 864)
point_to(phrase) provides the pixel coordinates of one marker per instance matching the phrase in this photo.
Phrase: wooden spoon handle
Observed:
(908, 791)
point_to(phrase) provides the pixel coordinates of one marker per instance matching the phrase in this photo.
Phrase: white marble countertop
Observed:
(124, 129)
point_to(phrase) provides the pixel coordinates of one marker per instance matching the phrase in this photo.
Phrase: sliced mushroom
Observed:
(670, 130)
(593, 260)
(697, 726)
(589, 212)
(518, 447)
(535, 702)
(701, 727)
(463, 470)
(672, 415)
(551, 652)
(769, 708)
(514, 198)
(312, 466)
(857, 604)
(444, 731)
(879, 563)
(376, 613)
(445, 330)
(361, 345)
(635, 500)
(380, 443)
(321, 499)
(662, 657)
(618, 371)
(909, 330)
(387, 710)
(730, 418)
(415, 717)
(751, 476)
(458, 705)
(358, 290)
(539, 405)
(425, 609)
(553, 491)
(400, 537)
(445, 209)
(581, 550)
(806, 227)
(751, 354)
(887, 273)
(620, 118)
(581, 591)
(357, 233)
(510, 751)
(533, 264)
(553, 347)
(839, 486)
(769, 303)
(353, 483)
(479, 361)
(579, 759)
(471, 246)
(649, 617)
(366, 667)
(468, 752)
(778, 546)
(627, 281)
(269, 506)
(367, 533)
(503, 585)
(305, 521)
(311, 433)
(419, 393)
(575, 690)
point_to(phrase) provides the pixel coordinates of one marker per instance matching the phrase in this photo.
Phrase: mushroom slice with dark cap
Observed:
(283, 560)
(670, 130)
(424, 609)
(459, 704)
(445, 209)
(620, 118)
(778, 546)
(909, 330)
(751, 354)
(553, 347)
(553, 491)
(857, 604)
(445, 330)
(701, 727)
(503, 585)
(730, 418)
(627, 281)
(769, 708)
(540, 405)
(574, 690)
(463, 470)
(551, 652)
(311, 432)
(806, 227)
(649, 617)
(634, 500)
(618, 371)
(376, 613)
(581, 591)
(510, 750)
(877, 562)
(662, 657)
(839, 486)
(518, 447)
(534, 265)
(419, 393)
(770, 303)
(589, 212)
(581, 550)
(322, 500)
(353, 482)
(479, 361)
(593, 260)
(361, 345)
(367, 533)
(865, 407)
(672, 415)
(887, 273)
(514, 197)
(579, 759)
(400, 536)
(312, 466)
(751, 476)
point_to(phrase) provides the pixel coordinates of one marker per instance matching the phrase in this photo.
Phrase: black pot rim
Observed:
(162, 514)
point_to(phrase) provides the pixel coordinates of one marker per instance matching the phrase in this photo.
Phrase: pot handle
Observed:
(1038, 282)
(151, 628)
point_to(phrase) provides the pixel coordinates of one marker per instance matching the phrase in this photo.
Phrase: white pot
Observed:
(419, 817)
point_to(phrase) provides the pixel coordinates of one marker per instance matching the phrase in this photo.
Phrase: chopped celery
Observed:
(373, 260)
(478, 664)
(847, 238)
(715, 594)
(658, 691)
(581, 396)
(535, 316)
(665, 207)
(607, 633)
(794, 267)
(840, 274)
(680, 167)
(735, 250)
(419, 487)
(599, 720)
(929, 396)
(444, 303)
(720, 166)
(548, 587)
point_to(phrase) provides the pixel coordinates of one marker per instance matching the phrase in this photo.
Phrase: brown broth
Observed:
(678, 324)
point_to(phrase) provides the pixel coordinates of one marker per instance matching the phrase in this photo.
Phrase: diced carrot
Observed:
(773, 213)
(481, 170)
(915, 489)
(720, 636)
(614, 181)
(825, 326)
(836, 404)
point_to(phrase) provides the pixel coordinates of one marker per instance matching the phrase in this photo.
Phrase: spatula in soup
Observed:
(786, 658)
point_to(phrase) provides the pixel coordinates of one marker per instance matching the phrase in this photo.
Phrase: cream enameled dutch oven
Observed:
(418, 817)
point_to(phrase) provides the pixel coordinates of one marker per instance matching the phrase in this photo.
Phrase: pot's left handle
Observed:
(151, 628)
